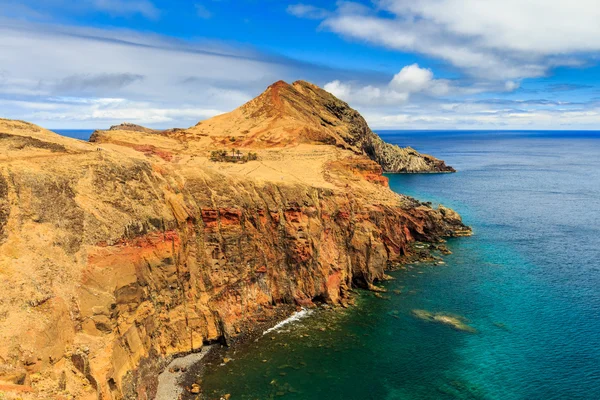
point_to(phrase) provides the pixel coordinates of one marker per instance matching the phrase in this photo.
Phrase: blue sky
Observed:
(404, 64)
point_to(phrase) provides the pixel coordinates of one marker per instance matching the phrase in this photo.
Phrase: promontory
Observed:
(120, 253)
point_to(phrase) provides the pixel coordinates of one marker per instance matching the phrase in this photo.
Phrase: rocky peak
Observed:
(302, 112)
(104, 135)
(127, 126)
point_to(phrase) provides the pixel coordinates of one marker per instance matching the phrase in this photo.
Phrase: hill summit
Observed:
(286, 115)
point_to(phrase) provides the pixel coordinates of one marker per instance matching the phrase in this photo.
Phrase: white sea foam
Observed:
(297, 316)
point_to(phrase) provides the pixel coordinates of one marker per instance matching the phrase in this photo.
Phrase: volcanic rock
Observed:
(118, 255)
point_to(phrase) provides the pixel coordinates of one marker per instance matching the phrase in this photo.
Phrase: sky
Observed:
(404, 64)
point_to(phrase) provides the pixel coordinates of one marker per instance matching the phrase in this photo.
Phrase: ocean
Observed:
(528, 282)
(81, 134)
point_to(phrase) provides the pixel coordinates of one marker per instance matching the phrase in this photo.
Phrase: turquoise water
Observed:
(528, 281)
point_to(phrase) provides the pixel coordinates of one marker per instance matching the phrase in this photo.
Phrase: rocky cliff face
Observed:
(117, 255)
(392, 158)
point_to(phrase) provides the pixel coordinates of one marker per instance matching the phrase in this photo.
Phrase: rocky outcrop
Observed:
(286, 115)
(127, 126)
(392, 158)
(114, 258)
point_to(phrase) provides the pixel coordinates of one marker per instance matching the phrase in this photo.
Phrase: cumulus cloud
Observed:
(369, 94)
(412, 78)
(411, 81)
(415, 99)
(495, 39)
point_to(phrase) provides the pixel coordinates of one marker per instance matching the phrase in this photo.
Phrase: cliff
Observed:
(117, 255)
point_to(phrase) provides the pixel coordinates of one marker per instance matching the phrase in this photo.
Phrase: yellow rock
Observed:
(138, 248)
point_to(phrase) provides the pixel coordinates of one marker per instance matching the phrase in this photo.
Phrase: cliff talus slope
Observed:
(119, 254)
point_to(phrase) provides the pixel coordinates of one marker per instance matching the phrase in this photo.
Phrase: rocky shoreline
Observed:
(218, 354)
(170, 379)
(120, 254)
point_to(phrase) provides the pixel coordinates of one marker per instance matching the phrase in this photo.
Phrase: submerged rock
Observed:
(501, 326)
(455, 321)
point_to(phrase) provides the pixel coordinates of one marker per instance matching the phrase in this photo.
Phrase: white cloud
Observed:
(411, 80)
(492, 39)
(339, 89)
(126, 7)
(541, 26)
(102, 112)
(511, 85)
(415, 99)
(485, 116)
(307, 11)
(157, 74)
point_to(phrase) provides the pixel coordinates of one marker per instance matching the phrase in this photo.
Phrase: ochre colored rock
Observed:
(286, 115)
(115, 257)
(195, 389)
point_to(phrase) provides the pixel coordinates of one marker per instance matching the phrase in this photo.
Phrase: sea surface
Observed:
(528, 281)
(81, 134)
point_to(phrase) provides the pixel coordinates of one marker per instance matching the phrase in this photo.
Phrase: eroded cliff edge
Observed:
(119, 254)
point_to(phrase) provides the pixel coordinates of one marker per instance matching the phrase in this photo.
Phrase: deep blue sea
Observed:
(81, 134)
(528, 281)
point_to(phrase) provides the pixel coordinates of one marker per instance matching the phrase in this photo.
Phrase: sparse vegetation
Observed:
(233, 156)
